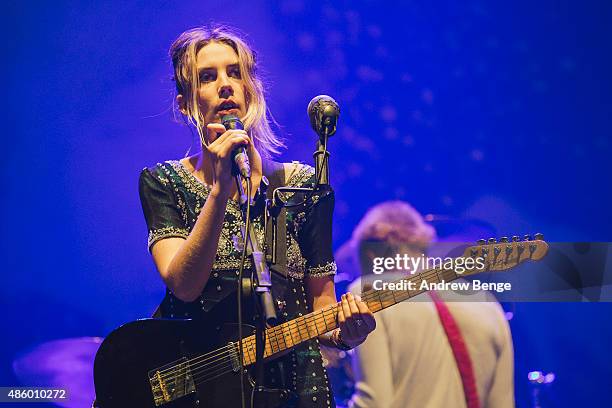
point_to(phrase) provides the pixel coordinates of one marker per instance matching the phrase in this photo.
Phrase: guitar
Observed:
(185, 363)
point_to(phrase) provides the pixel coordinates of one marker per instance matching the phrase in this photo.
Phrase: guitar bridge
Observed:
(171, 382)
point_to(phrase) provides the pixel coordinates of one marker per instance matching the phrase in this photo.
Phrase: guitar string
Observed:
(275, 330)
(212, 377)
(275, 333)
(200, 376)
(197, 366)
(370, 295)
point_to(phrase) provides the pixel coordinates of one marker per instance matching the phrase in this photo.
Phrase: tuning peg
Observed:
(503, 239)
(539, 236)
(527, 237)
(481, 242)
(515, 238)
(492, 240)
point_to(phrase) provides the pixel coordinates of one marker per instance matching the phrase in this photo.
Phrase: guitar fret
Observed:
(271, 340)
(269, 344)
(306, 322)
(386, 299)
(308, 327)
(439, 276)
(297, 326)
(322, 312)
(294, 333)
(287, 335)
(282, 334)
(330, 314)
(379, 300)
(275, 336)
(268, 350)
(247, 350)
(394, 298)
(298, 329)
(252, 348)
(315, 325)
(369, 301)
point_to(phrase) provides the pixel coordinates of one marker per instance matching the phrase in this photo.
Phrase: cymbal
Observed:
(63, 364)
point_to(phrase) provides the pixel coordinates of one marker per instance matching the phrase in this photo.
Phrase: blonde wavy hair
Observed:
(184, 51)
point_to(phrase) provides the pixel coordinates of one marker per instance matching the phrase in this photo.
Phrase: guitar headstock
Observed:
(505, 253)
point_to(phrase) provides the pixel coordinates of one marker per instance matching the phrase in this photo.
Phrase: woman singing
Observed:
(194, 219)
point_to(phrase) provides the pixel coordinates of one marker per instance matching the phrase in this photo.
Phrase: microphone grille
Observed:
(232, 122)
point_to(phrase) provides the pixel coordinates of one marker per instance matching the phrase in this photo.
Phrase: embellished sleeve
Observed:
(315, 232)
(159, 207)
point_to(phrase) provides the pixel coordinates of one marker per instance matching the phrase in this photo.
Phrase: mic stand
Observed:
(262, 284)
(262, 281)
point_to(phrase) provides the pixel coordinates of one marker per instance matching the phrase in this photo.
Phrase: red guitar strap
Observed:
(460, 351)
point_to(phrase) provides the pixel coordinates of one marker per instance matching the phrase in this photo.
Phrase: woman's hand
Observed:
(355, 319)
(220, 153)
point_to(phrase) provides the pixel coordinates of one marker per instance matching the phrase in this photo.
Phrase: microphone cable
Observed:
(247, 226)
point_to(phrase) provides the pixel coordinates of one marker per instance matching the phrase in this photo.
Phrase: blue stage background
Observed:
(498, 111)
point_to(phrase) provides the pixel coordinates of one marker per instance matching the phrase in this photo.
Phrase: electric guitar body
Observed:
(153, 362)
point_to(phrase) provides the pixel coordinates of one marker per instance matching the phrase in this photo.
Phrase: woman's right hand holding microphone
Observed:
(221, 144)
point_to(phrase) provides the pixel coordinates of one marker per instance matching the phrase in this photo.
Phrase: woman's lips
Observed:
(231, 111)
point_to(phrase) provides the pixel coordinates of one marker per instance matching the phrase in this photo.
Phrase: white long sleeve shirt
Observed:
(408, 362)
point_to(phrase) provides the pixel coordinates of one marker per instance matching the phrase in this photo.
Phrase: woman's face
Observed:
(221, 89)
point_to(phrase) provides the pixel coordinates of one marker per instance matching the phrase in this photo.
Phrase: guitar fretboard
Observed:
(289, 334)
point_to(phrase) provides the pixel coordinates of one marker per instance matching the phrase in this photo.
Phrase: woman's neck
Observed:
(200, 166)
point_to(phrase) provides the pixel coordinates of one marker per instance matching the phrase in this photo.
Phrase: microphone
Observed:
(323, 112)
(239, 155)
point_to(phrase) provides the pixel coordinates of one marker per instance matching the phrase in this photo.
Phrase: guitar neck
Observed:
(289, 334)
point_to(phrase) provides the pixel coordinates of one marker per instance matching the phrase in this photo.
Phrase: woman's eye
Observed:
(206, 77)
(235, 73)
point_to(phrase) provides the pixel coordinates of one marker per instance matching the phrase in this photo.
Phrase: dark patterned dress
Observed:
(172, 198)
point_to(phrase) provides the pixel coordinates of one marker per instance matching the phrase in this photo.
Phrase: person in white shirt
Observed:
(408, 360)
